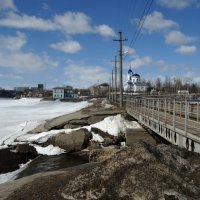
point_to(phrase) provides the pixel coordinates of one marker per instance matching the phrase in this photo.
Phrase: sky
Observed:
(70, 42)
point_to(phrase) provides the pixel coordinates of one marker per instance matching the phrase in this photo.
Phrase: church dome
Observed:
(130, 72)
(136, 75)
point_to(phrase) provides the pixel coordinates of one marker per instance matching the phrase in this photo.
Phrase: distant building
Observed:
(99, 90)
(40, 87)
(21, 89)
(64, 93)
(134, 83)
(183, 92)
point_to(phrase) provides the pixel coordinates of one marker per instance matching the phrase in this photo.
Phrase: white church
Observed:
(134, 84)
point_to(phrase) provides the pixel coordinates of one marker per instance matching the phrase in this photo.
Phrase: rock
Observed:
(94, 145)
(39, 129)
(26, 148)
(76, 123)
(73, 141)
(79, 122)
(139, 172)
(71, 126)
(108, 141)
(9, 161)
(96, 118)
(50, 141)
(101, 133)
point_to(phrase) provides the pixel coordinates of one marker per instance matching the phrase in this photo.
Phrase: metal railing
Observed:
(179, 114)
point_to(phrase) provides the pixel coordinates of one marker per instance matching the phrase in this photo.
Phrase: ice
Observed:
(12, 175)
(17, 117)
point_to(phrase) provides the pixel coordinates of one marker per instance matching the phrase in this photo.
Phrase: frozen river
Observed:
(19, 116)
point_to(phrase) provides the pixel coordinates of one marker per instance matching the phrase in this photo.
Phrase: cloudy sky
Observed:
(70, 42)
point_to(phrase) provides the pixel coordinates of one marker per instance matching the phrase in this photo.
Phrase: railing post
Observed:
(148, 107)
(153, 109)
(186, 107)
(174, 113)
(158, 110)
(197, 111)
(165, 111)
(180, 108)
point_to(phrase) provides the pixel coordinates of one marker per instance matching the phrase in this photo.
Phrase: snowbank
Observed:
(115, 125)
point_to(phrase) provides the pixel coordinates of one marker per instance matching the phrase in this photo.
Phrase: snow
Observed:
(115, 125)
(42, 137)
(12, 175)
(97, 137)
(106, 104)
(17, 117)
(49, 150)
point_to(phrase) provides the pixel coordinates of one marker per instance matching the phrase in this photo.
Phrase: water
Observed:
(51, 163)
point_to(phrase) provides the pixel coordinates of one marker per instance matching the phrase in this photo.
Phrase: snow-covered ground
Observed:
(19, 116)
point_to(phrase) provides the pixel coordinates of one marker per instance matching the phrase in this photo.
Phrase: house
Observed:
(99, 90)
(134, 83)
(64, 93)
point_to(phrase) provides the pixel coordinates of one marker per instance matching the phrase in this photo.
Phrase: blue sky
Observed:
(70, 42)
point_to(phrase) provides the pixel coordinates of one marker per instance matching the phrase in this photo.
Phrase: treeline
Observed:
(173, 85)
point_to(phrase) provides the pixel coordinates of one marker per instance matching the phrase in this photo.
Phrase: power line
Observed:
(141, 23)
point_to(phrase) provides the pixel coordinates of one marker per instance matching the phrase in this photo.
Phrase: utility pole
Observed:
(115, 77)
(120, 40)
(112, 87)
(109, 89)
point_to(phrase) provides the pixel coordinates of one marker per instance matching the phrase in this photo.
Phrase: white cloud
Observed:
(186, 50)
(177, 4)
(27, 22)
(85, 76)
(68, 23)
(155, 22)
(178, 38)
(105, 31)
(12, 76)
(12, 55)
(67, 46)
(130, 51)
(73, 23)
(146, 61)
(12, 43)
(21, 61)
(7, 4)
(140, 62)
